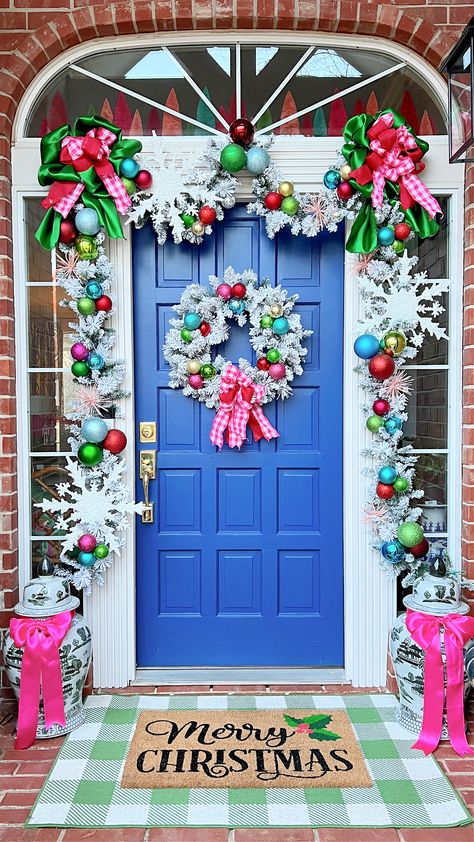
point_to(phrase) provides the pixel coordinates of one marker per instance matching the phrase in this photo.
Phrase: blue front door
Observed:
(243, 565)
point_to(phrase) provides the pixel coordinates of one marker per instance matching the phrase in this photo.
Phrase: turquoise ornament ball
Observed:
(393, 424)
(258, 160)
(94, 290)
(385, 236)
(281, 326)
(94, 429)
(129, 167)
(332, 179)
(393, 551)
(192, 321)
(87, 559)
(95, 361)
(387, 475)
(366, 346)
(87, 221)
(236, 306)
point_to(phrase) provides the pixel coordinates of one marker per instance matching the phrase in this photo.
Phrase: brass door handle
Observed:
(147, 472)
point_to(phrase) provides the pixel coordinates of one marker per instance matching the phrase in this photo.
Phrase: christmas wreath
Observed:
(237, 392)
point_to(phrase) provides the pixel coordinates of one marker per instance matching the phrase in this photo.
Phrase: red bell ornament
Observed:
(273, 200)
(207, 215)
(385, 492)
(381, 406)
(103, 303)
(115, 441)
(381, 366)
(263, 364)
(344, 191)
(239, 291)
(242, 131)
(67, 232)
(205, 328)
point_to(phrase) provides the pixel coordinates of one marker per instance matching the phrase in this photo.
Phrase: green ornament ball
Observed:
(89, 454)
(273, 355)
(290, 205)
(101, 551)
(207, 371)
(400, 484)
(398, 246)
(410, 533)
(374, 423)
(129, 185)
(80, 369)
(233, 157)
(86, 247)
(188, 219)
(186, 335)
(86, 306)
(266, 321)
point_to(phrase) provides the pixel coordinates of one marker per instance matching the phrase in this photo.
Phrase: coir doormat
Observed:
(272, 748)
(84, 787)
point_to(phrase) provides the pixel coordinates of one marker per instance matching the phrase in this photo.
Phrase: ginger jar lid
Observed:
(47, 595)
(436, 592)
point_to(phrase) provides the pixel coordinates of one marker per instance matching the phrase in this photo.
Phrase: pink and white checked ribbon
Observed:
(91, 150)
(240, 400)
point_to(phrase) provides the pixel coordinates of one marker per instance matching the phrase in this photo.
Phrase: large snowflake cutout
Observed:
(410, 303)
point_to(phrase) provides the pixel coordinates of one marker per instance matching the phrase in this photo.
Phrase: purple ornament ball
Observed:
(79, 352)
(277, 371)
(196, 381)
(87, 543)
(224, 291)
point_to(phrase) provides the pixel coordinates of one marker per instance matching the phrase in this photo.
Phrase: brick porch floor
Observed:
(22, 774)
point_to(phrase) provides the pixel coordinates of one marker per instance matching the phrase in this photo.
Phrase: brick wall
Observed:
(32, 32)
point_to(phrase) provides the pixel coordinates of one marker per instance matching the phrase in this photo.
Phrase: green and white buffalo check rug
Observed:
(83, 788)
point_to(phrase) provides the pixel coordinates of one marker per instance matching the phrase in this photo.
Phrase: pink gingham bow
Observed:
(240, 400)
(395, 155)
(91, 150)
(40, 668)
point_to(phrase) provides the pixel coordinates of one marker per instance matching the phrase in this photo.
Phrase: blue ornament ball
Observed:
(237, 306)
(387, 475)
(393, 424)
(129, 167)
(95, 361)
(281, 326)
(86, 559)
(94, 429)
(94, 290)
(385, 236)
(258, 160)
(332, 179)
(393, 551)
(366, 346)
(192, 321)
(87, 221)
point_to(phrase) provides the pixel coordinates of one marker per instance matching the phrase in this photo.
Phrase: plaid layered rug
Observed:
(83, 788)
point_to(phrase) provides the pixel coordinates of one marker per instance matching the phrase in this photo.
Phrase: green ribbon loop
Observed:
(95, 194)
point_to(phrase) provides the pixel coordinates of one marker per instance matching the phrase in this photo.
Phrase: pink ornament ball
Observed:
(381, 406)
(79, 352)
(344, 191)
(195, 381)
(143, 179)
(224, 291)
(87, 543)
(277, 371)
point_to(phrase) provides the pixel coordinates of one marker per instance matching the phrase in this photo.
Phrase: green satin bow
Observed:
(95, 194)
(363, 236)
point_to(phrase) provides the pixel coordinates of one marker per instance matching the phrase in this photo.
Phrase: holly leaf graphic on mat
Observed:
(314, 726)
(322, 734)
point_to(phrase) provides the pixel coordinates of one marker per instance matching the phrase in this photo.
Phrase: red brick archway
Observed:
(33, 32)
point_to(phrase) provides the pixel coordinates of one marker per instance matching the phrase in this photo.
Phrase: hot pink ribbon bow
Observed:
(40, 667)
(395, 156)
(424, 630)
(92, 150)
(240, 400)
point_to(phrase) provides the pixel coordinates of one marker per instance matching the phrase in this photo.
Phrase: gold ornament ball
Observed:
(276, 310)
(197, 228)
(286, 188)
(345, 172)
(396, 341)
(193, 366)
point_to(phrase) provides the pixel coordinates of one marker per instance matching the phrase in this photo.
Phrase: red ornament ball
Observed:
(242, 131)
(389, 352)
(103, 303)
(207, 215)
(239, 291)
(143, 179)
(273, 200)
(381, 407)
(115, 441)
(381, 366)
(205, 328)
(344, 191)
(385, 492)
(67, 232)
(421, 549)
(402, 230)
(263, 364)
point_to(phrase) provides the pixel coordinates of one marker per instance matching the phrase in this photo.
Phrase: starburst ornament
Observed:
(374, 514)
(88, 401)
(66, 266)
(400, 384)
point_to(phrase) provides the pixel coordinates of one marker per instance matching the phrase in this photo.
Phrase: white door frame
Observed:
(369, 597)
